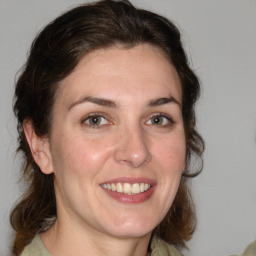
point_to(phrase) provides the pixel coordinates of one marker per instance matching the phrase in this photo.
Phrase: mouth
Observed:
(127, 188)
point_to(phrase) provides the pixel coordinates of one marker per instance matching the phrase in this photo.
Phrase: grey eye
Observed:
(157, 120)
(160, 120)
(95, 120)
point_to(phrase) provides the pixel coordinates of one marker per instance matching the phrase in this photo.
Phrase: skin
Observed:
(126, 142)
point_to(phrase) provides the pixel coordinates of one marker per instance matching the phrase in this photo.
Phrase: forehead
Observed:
(114, 71)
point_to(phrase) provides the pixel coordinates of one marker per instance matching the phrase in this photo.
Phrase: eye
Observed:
(95, 120)
(160, 120)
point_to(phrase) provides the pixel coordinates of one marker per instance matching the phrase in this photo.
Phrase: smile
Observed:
(127, 188)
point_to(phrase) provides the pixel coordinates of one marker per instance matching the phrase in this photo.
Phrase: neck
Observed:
(67, 240)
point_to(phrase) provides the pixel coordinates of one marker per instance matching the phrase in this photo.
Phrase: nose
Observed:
(132, 148)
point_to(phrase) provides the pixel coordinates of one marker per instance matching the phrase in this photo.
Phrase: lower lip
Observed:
(131, 199)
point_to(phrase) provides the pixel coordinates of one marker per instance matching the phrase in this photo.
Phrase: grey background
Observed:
(220, 40)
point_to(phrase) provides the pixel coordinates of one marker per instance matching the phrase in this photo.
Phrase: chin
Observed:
(132, 228)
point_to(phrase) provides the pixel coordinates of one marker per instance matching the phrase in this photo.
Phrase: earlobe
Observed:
(39, 147)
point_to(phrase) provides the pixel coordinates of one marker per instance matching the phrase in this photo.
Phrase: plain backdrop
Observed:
(220, 39)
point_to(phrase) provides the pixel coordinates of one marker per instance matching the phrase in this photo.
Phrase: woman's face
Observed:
(117, 143)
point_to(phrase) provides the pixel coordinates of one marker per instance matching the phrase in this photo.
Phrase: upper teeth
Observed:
(127, 188)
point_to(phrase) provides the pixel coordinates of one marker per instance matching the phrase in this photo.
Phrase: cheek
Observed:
(80, 156)
(171, 153)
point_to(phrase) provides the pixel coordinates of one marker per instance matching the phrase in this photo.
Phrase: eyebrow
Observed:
(98, 101)
(162, 101)
(112, 104)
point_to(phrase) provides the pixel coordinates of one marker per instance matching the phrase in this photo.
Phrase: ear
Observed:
(39, 147)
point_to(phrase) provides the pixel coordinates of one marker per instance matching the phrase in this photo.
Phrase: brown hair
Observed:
(53, 56)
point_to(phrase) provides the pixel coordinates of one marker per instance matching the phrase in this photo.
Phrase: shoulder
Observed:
(35, 248)
(161, 248)
(250, 250)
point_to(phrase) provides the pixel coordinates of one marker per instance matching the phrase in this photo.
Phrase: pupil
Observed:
(157, 120)
(94, 120)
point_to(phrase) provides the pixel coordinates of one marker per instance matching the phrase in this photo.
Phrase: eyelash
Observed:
(95, 125)
(167, 122)
(167, 118)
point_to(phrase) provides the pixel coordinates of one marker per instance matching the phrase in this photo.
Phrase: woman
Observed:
(106, 122)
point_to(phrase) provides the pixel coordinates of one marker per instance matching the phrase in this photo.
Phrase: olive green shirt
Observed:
(250, 250)
(159, 248)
